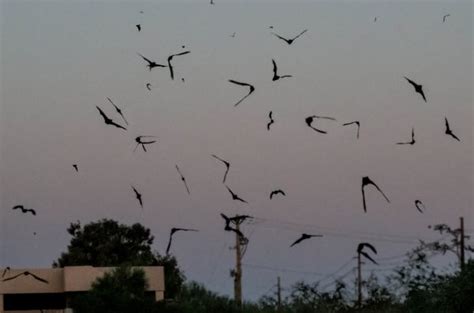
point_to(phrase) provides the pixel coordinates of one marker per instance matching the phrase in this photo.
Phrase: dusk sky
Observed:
(59, 59)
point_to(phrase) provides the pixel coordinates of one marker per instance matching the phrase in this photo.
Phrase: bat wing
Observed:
(380, 190)
(102, 114)
(304, 31)
(419, 206)
(368, 245)
(423, 95)
(148, 60)
(368, 257)
(297, 241)
(239, 83)
(39, 278)
(454, 136)
(411, 82)
(117, 125)
(12, 277)
(182, 53)
(169, 243)
(284, 39)
(363, 199)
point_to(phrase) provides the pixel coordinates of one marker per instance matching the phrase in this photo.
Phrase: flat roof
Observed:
(69, 279)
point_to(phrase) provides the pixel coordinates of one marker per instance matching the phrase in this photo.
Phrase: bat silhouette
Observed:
(171, 58)
(5, 271)
(229, 228)
(445, 17)
(227, 165)
(240, 218)
(356, 123)
(75, 167)
(310, 119)
(139, 141)
(235, 196)
(412, 142)
(183, 179)
(23, 210)
(448, 130)
(138, 196)
(148, 86)
(251, 90)
(419, 206)
(304, 237)
(367, 181)
(418, 88)
(151, 64)
(275, 72)
(26, 273)
(109, 121)
(139, 27)
(360, 250)
(290, 41)
(172, 232)
(119, 111)
(275, 192)
(270, 116)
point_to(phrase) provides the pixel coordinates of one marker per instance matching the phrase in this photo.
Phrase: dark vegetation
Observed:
(414, 286)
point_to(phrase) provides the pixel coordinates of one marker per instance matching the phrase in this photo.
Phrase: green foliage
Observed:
(121, 291)
(174, 278)
(449, 294)
(108, 243)
(415, 286)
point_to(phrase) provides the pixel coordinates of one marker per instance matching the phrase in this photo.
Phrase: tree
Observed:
(451, 244)
(122, 290)
(108, 243)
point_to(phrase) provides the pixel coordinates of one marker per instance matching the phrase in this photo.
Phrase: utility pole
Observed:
(237, 273)
(462, 260)
(359, 280)
(278, 295)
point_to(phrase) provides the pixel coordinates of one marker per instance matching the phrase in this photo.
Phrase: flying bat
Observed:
(109, 121)
(275, 192)
(23, 210)
(418, 88)
(367, 181)
(290, 41)
(304, 237)
(227, 165)
(172, 232)
(448, 130)
(251, 89)
(26, 273)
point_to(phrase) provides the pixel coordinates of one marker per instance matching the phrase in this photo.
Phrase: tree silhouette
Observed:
(108, 243)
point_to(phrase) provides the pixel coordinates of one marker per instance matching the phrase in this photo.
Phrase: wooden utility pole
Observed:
(238, 266)
(461, 243)
(278, 295)
(359, 280)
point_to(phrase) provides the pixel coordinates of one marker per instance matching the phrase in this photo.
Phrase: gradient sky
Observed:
(60, 59)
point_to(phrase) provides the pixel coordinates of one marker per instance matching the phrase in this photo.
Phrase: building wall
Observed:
(67, 280)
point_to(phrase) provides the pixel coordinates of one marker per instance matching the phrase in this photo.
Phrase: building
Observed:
(25, 294)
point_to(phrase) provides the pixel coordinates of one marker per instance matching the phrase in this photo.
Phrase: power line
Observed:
(331, 275)
(279, 269)
(280, 224)
(338, 279)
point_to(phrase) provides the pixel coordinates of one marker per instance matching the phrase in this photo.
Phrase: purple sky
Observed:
(60, 59)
